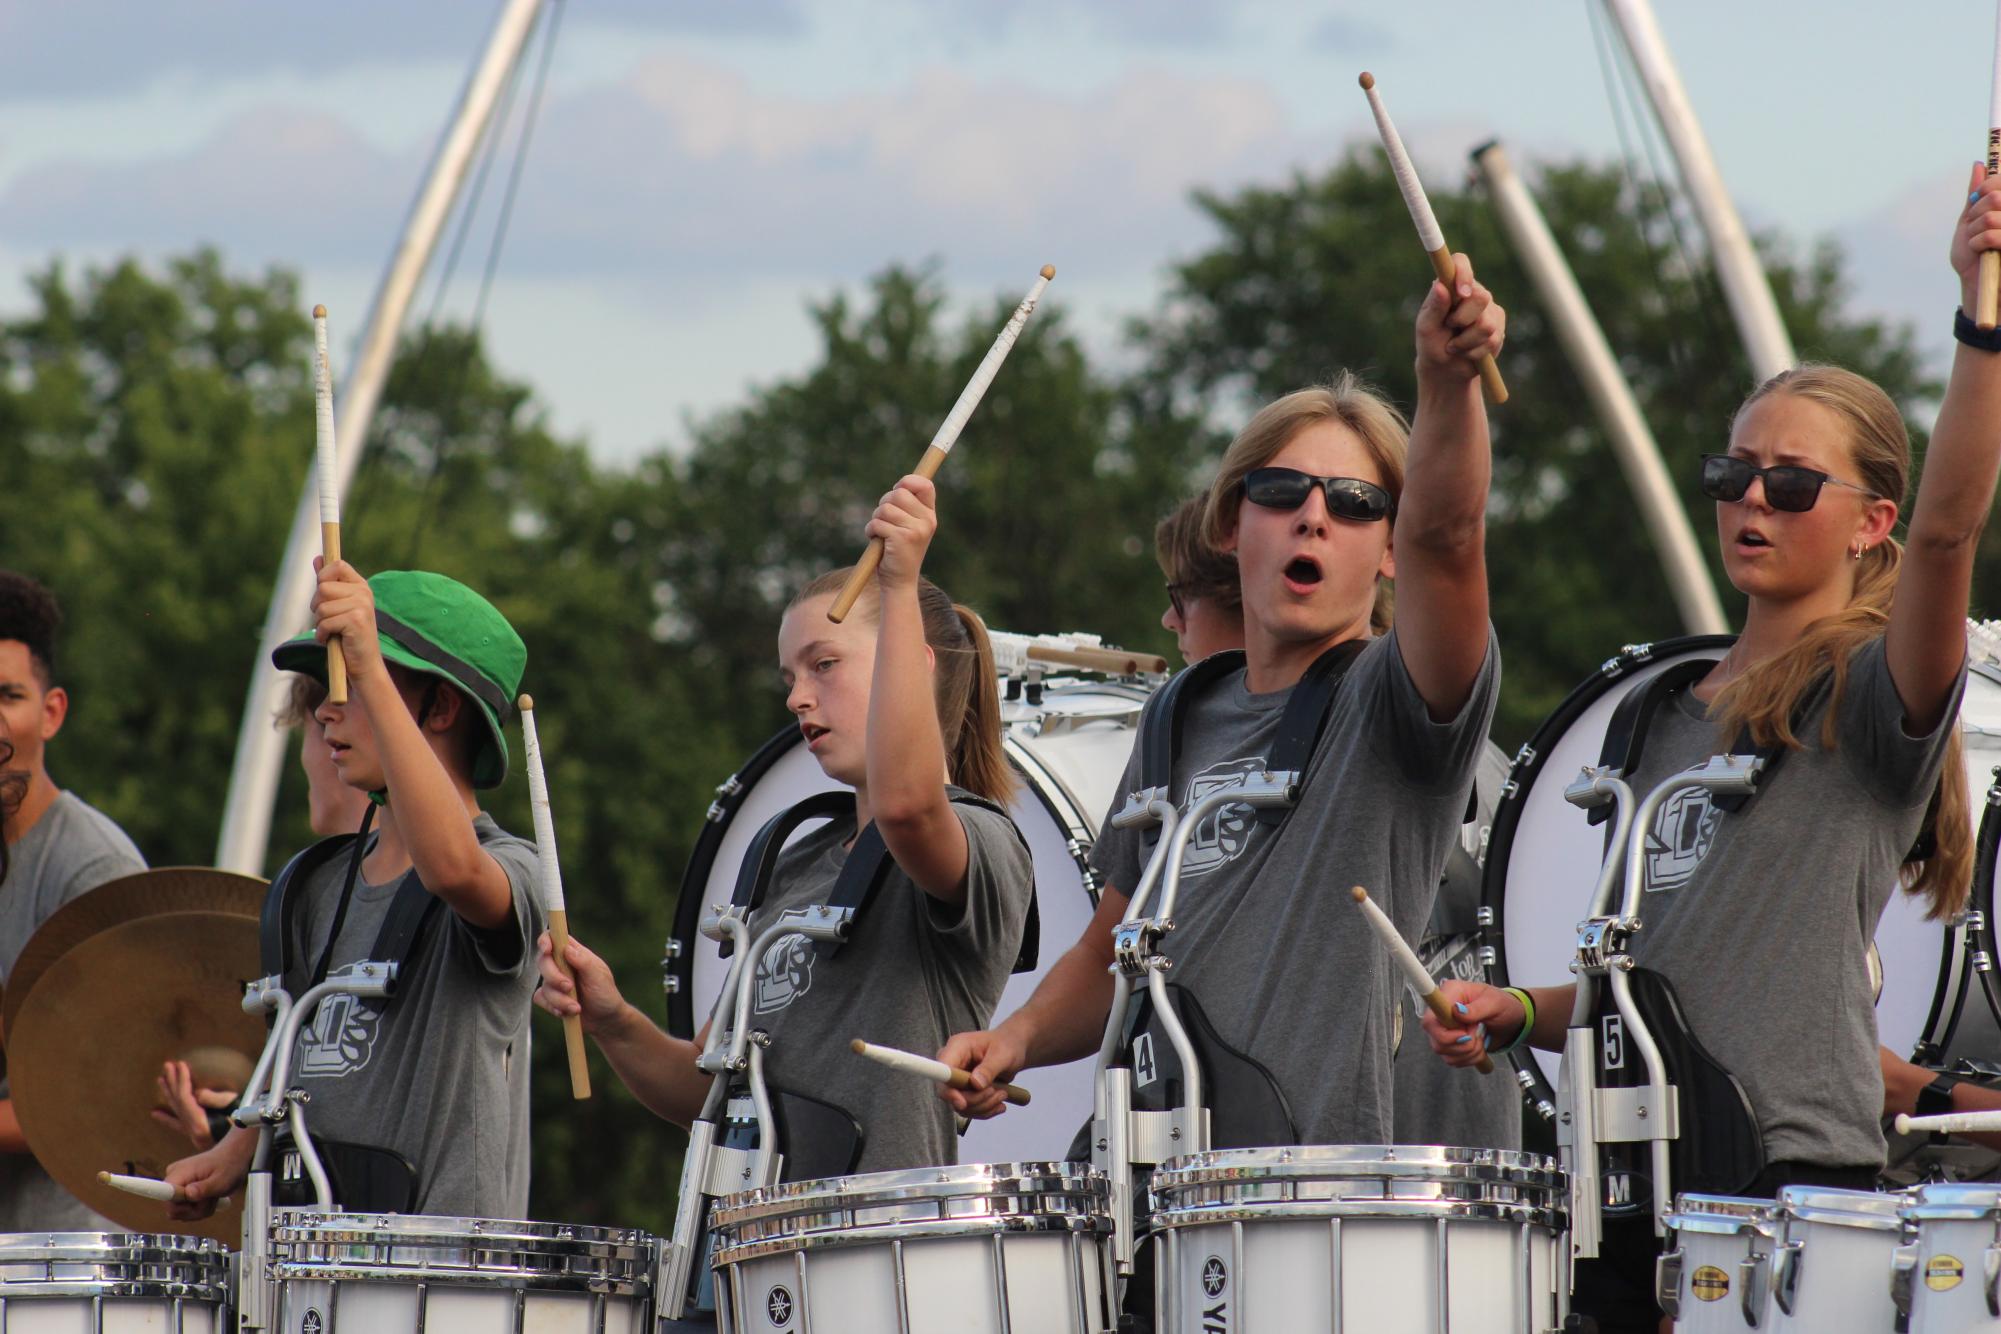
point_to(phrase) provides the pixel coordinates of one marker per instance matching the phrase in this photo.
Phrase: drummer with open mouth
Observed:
(1849, 670)
(1323, 497)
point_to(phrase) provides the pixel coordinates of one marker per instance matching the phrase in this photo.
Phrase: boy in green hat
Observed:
(438, 1073)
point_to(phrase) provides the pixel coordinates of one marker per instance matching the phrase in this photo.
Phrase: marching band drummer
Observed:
(419, 1101)
(1205, 603)
(899, 701)
(1322, 498)
(1853, 658)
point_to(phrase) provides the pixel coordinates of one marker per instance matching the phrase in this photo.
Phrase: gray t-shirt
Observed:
(440, 1074)
(1762, 919)
(1266, 936)
(915, 972)
(1440, 1104)
(71, 850)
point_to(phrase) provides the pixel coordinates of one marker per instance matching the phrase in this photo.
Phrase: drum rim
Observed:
(1341, 1161)
(1819, 1204)
(1512, 1212)
(789, 1241)
(914, 1185)
(445, 1232)
(83, 1246)
(215, 1290)
(638, 1283)
(1954, 1201)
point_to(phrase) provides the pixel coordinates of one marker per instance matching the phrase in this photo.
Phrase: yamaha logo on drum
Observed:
(312, 1323)
(1215, 1278)
(778, 1305)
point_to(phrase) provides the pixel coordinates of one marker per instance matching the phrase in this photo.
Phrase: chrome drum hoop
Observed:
(973, 1199)
(1368, 1181)
(164, 1266)
(308, 1246)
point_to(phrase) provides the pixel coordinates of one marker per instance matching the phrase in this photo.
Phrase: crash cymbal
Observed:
(169, 889)
(87, 1040)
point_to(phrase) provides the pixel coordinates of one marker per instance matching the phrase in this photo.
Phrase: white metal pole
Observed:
(1611, 398)
(260, 748)
(1745, 286)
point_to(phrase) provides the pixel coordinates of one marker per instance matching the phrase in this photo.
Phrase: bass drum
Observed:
(1543, 860)
(1069, 741)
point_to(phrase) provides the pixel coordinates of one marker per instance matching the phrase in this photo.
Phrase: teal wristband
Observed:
(1528, 1022)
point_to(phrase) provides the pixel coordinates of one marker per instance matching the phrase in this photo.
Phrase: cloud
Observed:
(79, 49)
(1345, 36)
(683, 170)
(1896, 256)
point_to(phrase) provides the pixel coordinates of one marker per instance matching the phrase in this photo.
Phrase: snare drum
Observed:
(112, 1283)
(1833, 1269)
(419, 1274)
(1406, 1239)
(1716, 1277)
(976, 1249)
(1947, 1278)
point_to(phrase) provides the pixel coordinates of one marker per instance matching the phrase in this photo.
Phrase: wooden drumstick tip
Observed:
(857, 1046)
(319, 312)
(1048, 271)
(525, 704)
(1367, 81)
(1361, 895)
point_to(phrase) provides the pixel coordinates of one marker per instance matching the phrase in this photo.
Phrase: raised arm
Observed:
(1925, 642)
(906, 751)
(659, 1069)
(1441, 526)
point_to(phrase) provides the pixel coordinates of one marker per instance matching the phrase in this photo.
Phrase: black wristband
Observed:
(1935, 1098)
(218, 1126)
(1971, 334)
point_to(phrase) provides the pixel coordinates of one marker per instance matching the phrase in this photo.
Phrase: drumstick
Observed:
(1427, 224)
(1118, 662)
(1986, 304)
(150, 1188)
(323, 418)
(912, 1064)
(1420, 977)
(1951, 1123)
(552, 892)
(948, 434)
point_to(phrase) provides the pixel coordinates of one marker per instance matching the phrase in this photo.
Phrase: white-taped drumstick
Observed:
(1428, 232)
(552, 891)
(149, 1188)
(1987, 295)
(925, 1067)
(948, 434)
(1951, 1123)
(1413, 967)
(329, 475)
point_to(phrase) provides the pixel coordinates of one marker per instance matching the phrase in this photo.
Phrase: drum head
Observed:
(1544, 856)
(1069, 746)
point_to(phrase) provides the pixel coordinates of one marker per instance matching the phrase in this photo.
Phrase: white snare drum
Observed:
(1947, 1278)
(1069, 741)
(975, 1249)
(112, 1283)
(1406, 1239)
(1716, 1277)
(338, 1273)
(1832, 1271)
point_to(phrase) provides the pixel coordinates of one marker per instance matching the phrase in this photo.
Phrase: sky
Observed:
(702, 169)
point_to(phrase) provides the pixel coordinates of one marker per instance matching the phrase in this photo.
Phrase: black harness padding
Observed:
(363, 1178)
(409, 913)
(1247, 1108)
(862, 873)
(817, 1138)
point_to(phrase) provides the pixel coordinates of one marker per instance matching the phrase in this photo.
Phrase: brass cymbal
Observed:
(143, 894)
(119, 986)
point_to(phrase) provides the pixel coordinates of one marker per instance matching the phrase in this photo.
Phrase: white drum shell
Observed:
(1071, 750)
(973, 1249)
(1725, 1235)
(1391, 1240)
(420, 1274)
(1834, 1265)
(1954, 1254)
(113, 1283)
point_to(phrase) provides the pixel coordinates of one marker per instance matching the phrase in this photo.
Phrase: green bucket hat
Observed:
(437, 626)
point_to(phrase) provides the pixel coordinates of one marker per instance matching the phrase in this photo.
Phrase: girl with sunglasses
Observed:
(900, 701)
(1323, 497)
(1852, 660)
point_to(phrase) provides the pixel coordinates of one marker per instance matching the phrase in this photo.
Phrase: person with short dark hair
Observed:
(1205, 603)
(58, 847)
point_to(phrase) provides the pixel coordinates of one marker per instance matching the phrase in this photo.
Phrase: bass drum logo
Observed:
(312, 1323)
(778, 1306)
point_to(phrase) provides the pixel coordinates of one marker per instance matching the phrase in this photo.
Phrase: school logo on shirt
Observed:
(1681, 837)
(784, 974)
(1222, 837)
(340, 1039)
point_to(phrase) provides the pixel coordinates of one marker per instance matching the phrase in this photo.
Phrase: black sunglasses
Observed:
(1787, 487)
(1347, 497)
(1174, 594)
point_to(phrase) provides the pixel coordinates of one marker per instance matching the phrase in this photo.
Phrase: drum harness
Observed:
(1124, 1137)
(736, 1144)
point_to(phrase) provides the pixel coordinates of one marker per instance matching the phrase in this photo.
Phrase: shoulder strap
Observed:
(1626, 734)
(409, 913)
(1305, 716)
(1160, 724)
(754, 872)
(280, 904)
